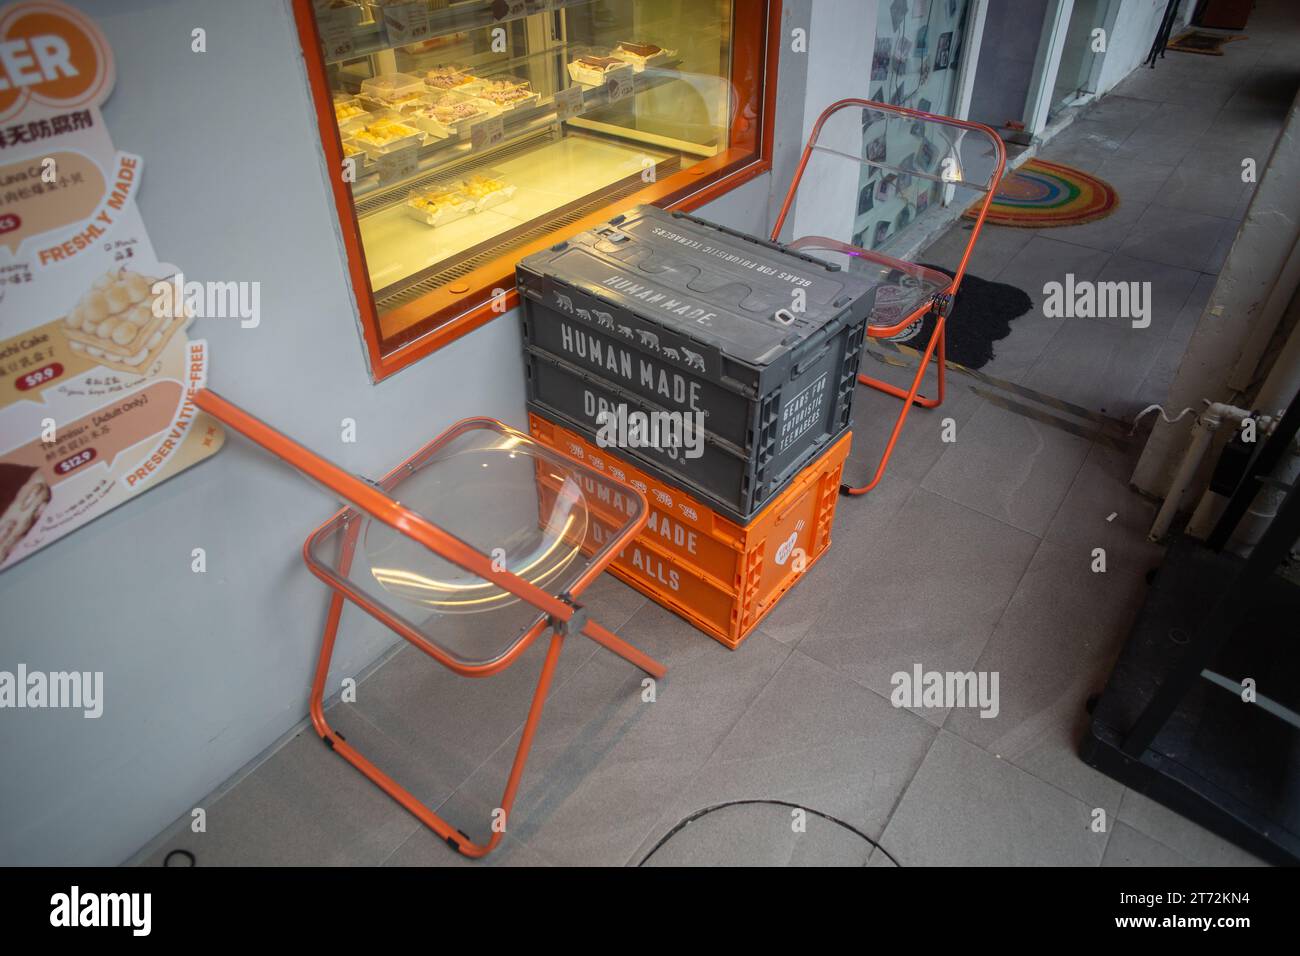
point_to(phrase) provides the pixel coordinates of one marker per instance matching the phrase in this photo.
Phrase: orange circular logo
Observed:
(51, 58)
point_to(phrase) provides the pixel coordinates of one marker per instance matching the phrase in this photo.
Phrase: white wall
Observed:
(1129, 40)
(204, 672)
(841, 41)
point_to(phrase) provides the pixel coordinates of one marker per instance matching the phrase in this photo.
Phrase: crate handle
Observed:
(809, 360)
(785, 512)
(826, 334)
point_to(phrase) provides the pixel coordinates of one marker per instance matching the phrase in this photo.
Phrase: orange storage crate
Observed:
(721, 576)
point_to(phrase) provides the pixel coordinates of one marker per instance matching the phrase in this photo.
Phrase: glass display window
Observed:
(468, 134)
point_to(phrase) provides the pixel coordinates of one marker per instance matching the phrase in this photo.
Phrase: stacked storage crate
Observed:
(654, 315)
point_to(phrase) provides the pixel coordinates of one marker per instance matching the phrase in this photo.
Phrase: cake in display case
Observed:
(510, 119)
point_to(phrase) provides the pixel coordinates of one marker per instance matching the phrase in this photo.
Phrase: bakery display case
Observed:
(469, 134)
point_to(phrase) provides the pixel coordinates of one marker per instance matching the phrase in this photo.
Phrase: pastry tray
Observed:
(589, 78)
(414, 138)
(461, 126)
(530, 98)
(472, 83)
(639, 63)
(451, 213)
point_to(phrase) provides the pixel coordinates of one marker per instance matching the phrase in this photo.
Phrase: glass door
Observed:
(1081, 55)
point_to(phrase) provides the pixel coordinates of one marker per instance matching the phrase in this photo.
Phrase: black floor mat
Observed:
(982, 315)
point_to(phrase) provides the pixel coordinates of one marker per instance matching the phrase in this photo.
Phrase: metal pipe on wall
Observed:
(1203, 429)
(1280, 386)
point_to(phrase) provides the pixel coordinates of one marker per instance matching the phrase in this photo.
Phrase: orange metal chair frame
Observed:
(372, 500)
(941, 303)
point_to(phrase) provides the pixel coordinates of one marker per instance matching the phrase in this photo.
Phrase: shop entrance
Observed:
(1081, 56)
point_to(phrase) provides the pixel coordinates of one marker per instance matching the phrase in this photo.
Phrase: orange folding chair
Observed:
(512, 535)
(899, 147)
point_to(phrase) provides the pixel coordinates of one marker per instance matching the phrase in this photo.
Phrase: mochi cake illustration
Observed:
(118, 324)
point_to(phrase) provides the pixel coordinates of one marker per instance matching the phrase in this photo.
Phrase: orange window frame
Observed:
(437, 318)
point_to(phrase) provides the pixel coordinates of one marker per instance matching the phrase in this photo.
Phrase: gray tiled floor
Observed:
(966, 807)
(974, 554)
(1025, 467)
(930, 568)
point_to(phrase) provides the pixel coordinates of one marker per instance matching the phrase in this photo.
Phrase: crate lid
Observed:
(731, 291)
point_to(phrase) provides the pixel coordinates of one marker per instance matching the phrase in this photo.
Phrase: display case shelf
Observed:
(372, 196)
(424, 254)
(370, 37)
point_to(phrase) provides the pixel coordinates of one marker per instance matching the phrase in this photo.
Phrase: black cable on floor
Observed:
(776, 803)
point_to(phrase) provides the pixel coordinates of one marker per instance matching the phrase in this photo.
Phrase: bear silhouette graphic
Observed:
(693, 359)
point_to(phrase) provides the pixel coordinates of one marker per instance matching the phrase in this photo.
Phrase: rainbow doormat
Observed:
(1042, 194)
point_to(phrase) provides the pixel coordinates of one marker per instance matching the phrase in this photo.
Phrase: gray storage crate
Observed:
(664, 312)
(575, 399)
